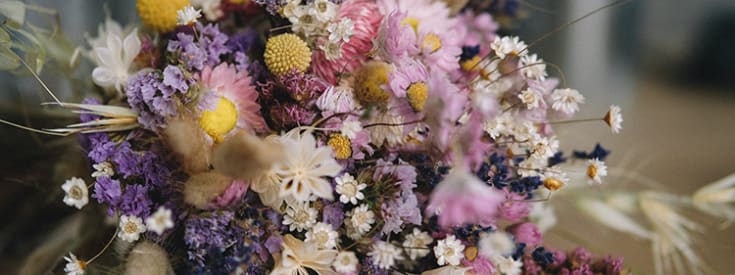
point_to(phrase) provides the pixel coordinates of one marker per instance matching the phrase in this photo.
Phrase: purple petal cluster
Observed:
(153, 95)
(108, 191)
(136, 201)
(215, 243)
(204, 51)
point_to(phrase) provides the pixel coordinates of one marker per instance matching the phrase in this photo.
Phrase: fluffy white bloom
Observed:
(542, 214)
(160, 220)
(302, 173)
(338, 99)
(130, 228)
(417, 244)
(345, 262)
(187, 16)
(114, 59)
(102, 169)
(323, 10)
(340, 32)
(210, 8)
(596, 169)
(300, 217)
(496, 244)
(76, 193)
(614, 118)
(545, 147)
(297, 257)
(332, 51)
(533, 71)
(507, 45)
(73, 265)
(449, 251)
(566, 100)
(508, 266)
(350, 128)
(323, 235)
(349, 189)
(385, 254)
(361, 218)
(530, 98)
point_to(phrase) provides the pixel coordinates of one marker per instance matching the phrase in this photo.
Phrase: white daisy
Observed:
(361, 219)
(187, 16)
(349, 189)
(210, 8)
(545, 147)
(350, 128)
(449, 251)
(533, 71)
(114, 60)
(596, 169)
(530, 98)
(302, 173)
(332, 51)
(323, 235)
(323, 10)
(297, 257)
(300, 217)
(507, 266)
(76, 193)
(345, 262)
(614, 118)
(508, 45)
(417, 244)
(496, 244)
(566, 100)
(160, 220)
(73, 265)
(340, 32)
(130, 228)
(385, 254)
(102, 169)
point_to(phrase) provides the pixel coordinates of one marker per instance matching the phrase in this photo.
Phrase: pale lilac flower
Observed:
(395, 39)
(461, 198)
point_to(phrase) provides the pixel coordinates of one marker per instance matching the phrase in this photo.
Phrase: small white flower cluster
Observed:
(187, 16)
(319, 19)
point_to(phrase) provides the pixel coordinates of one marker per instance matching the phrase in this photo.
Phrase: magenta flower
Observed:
(526, 233)
(462, 198)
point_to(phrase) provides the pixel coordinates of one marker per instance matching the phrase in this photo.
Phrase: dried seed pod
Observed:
(188, 141)
(202, 188)
(147, 258)
(245, 156)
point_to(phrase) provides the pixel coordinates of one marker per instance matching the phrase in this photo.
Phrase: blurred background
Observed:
(668, 63)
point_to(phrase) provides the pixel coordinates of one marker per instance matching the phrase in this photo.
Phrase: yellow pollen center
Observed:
(417, 94)
(341, 145)
(470, 253)
(470, 64)
(413, 22)
(130, 228)
(553, 184)
(592, 171)
(369, 81)
(220, 121)
(75, 192)
(432, 42)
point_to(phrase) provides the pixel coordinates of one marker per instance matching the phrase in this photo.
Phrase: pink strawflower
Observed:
(395, 38)
(527, 233)
(446, 57)
(462, 198)
(445, 104)
(366, 18)
(514, 208)
(225, 81)
(232, 195)
(406, 71)
(480, 265)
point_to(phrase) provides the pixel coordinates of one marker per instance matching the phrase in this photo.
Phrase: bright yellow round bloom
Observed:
(220, 121)
(369, 81)
(417, 94)
(160, 14)
(341, 145)
(286, 52)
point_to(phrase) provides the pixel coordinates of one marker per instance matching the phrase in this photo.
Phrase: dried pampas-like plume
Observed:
(202, 188)
(245, 156)
(188, 142)
(147, 258)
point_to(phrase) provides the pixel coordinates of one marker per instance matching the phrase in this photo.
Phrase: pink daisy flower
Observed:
(366, 18)
(395, 38)
(230, 103)
(462, 198)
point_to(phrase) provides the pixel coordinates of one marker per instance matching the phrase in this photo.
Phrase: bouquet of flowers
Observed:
(327, 137)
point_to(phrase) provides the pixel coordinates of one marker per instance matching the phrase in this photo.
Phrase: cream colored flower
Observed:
(130, 228)
(114, 60)
(323, 235)
(417, 244)
(345, 262)
(160, 221)
(385, 254)
(76, 191)
(297, 256)
(449, 251)
(302, 174)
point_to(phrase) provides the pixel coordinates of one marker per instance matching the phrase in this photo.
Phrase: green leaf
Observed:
(4, 37)
(8, 60)
(15, 11)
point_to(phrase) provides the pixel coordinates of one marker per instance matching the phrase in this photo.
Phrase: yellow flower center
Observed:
(220, 121)
(286, 52)
(417, 94)
(432, 42)
(413, 22)
(470, 253)
(341, 145)
(160, 14)
(592, 171)
(130, 228)
(471, 64)
(75, 192)
(553, 184)
(368, 82)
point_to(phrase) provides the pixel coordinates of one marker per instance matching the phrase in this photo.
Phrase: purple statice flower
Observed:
(135, 201)
(271, 6)
(402, 210)
(86, 117)
(202, 52)
(274, 244)
(527, 233)
(513, 208)
(108, 191)
(126, 160)
(369, 268)
(152, 99)
(243, 41)
(214, 242)
(101, 147)
(333, 214)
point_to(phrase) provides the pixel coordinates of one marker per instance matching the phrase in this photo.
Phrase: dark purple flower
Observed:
(135, 201)
(101, 148)
(215, 243)
(108, 191)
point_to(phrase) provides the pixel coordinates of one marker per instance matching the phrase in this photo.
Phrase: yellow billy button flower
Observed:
(286, 52)
(417, 94)
(160, 14)
(553, 184)
(341, 145)
(368, 82)
(220, 121)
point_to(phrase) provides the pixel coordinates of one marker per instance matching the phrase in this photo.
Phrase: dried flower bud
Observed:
(202, 188)
(147, 258)
(187, 140)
